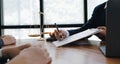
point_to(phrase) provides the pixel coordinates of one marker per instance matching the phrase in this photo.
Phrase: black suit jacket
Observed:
(2, 60)
(98, 19)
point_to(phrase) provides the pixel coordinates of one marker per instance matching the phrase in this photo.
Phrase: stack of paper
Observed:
(77, 36)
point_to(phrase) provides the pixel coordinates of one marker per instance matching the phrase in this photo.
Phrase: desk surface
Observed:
(88, 53)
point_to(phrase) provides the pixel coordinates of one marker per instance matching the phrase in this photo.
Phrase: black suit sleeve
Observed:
(2, 60)
(1, 43)
(97, 19)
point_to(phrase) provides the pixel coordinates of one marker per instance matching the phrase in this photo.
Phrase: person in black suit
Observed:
(98, 20)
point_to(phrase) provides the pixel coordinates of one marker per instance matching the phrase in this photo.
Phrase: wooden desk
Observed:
(88, 53)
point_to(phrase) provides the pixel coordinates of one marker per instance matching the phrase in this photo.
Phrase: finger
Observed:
(56, 31)
(102, 27)
(57, 35)
(49, 60)
(24, 46)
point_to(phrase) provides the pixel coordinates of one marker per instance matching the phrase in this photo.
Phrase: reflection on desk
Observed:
(82, 54)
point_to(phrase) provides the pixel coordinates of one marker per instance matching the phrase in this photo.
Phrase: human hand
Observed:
(13, 51)
(32, 55)
(51, 34)
(60, 35)
(8, 39)
(102, 33)
(103, 30)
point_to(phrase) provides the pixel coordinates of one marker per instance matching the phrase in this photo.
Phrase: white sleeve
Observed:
(67, 33)
(0, 53)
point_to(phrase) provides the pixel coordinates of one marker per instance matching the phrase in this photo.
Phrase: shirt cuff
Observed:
(67, 33)
(0, 53)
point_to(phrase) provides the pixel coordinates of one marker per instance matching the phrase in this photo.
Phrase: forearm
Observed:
(71, 32)
(88, 25)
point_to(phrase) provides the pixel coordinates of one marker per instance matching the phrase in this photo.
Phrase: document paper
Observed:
(77, 36)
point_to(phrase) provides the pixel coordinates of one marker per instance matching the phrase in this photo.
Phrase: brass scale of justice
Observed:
(39, 35)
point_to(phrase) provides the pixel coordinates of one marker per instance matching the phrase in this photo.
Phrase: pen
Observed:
(57, 27)
(58, 30)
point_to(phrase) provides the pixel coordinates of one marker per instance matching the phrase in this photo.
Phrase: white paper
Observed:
(77, 36)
